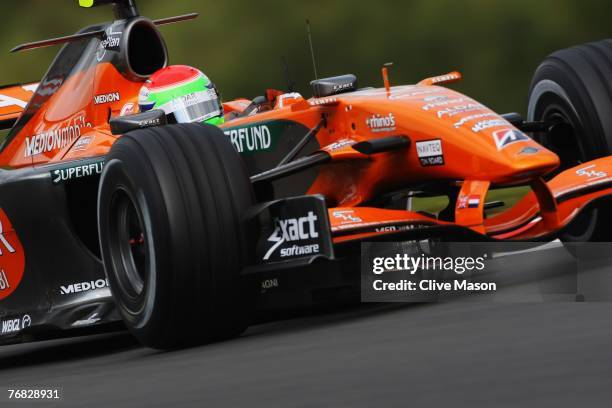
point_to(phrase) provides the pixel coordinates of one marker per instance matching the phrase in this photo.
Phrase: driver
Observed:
(184, 93)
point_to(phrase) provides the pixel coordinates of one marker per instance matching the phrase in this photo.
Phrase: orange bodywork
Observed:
(13, 100)
(453, 139)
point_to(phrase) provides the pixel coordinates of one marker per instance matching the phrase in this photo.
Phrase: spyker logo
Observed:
(7, 245)
(12, 258)
(591, 173)
(4, 282)
(294, 230)
(506, 137)
(346, 216)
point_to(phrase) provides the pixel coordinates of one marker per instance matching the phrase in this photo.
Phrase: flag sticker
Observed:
(471, 201)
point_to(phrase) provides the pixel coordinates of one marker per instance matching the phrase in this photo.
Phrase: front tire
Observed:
(173, 241)
(572, 89)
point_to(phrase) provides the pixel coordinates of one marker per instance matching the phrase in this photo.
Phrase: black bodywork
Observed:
(63, 285)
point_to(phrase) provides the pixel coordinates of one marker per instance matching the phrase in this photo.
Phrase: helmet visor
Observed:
(196, 107)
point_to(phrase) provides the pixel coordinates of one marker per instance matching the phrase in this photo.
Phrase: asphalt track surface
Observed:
(454, 354)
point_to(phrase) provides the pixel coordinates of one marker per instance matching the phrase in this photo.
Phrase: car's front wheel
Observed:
(173, 239)
(572, 90)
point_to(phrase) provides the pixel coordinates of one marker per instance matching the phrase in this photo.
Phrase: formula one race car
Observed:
(192, 227)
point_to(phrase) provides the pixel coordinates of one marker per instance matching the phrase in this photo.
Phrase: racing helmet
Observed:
(184, 93)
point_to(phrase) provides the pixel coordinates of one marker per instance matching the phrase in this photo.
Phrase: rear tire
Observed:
(573, 88)
(173, 242)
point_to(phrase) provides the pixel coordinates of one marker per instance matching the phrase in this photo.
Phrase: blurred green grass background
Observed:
(496, 44)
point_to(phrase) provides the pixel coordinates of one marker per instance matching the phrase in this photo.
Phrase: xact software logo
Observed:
(294, 230)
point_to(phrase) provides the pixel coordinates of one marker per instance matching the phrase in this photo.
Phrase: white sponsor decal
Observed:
(378, 123)
(82, 143)
(323, 101)
(149, 122)
(269, 283)
(435, 98)
(250, 139)
(297, 250)
(107, 98)
(339, 145)
(470, 118)
(445, 78)
(591, 172)
(347, 216)
(445, 102)
(128, 109)
(54, 139)
(455, 110)
(293, 230)
(4, 282)
(430, 152)
(93, 319)
(390, 228)
(487, 124)
(30, 88)
(6, 101)
(70, 173)
(5, 242)
(84, 286)
(111, 42)
(429, 148)
(16, 325)
(341, 87)
(506, 137)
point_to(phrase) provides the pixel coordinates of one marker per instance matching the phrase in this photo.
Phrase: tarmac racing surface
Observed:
(458, 353)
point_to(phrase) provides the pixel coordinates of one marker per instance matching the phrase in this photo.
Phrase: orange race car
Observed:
(192, 227)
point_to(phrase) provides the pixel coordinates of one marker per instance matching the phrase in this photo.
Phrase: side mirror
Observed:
(334, 85)
(123, 124)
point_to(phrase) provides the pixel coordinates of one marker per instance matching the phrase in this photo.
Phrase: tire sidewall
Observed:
(190, 190)
(115, 177)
